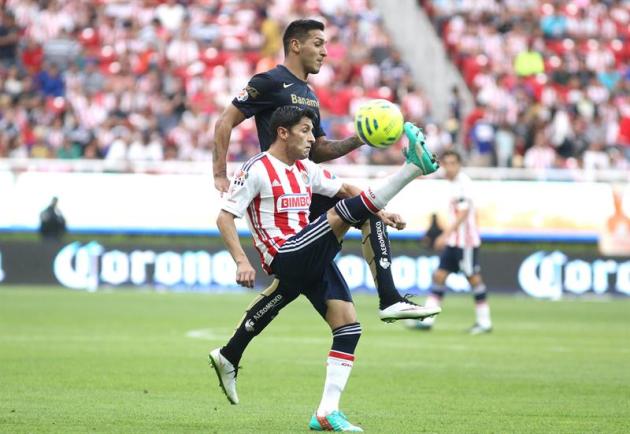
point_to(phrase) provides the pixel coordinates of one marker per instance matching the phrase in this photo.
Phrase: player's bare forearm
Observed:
(222, 133)
(326, 150)
(230, 118)
(227, 228)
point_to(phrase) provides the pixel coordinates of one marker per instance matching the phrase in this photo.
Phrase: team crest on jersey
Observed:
(306, 178)
(294, 202)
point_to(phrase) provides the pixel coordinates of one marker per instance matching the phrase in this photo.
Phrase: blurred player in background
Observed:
(305, 50)
(459, 244)
(273, 190)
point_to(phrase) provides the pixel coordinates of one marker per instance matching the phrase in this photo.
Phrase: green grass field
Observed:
(137, 362)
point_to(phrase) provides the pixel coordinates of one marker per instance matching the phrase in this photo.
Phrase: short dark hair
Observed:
(451, 153)
(299, 29)
(288, 116)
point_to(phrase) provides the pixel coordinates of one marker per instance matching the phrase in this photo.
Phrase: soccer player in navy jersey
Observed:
(273, 191)
(305, 50)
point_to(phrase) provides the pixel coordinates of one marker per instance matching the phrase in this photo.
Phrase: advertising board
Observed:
(93, 265)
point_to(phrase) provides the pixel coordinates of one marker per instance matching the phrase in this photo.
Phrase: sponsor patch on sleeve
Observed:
(239, 178)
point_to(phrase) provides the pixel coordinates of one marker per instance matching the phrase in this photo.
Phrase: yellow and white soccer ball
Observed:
(379, 123)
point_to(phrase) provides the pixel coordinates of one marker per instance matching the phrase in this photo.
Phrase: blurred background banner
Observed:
(188, 204)
(180, 267)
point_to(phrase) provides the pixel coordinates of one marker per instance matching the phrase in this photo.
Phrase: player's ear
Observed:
(283, 133)
(294, 45)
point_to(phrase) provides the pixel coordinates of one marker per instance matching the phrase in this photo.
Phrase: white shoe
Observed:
(407, 310)
(478, 329)
(226, 373)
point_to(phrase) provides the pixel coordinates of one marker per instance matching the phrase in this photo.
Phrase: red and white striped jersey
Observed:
(460, 199)
(276, 198)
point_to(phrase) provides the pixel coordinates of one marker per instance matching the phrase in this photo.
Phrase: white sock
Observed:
(391, 186)
(338, 368)
(482, 309)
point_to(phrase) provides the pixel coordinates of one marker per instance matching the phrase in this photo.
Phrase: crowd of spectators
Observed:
(145, 80)
(551, 80)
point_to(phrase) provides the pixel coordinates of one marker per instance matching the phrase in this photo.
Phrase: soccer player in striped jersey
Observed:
(273, 191)
(460, 244)
(305, 50)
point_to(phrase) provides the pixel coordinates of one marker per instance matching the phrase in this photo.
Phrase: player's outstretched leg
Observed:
(259, 314)
(419, 161)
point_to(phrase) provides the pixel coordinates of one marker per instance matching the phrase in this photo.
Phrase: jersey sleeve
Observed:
(256, 96)
(322, 181)
(318, 130)
(243, 189)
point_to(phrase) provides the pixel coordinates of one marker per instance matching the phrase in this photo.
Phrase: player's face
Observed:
(313, 51)
(301, 139)
(451, 166)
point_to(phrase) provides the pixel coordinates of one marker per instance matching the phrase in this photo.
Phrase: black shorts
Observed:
(305, 263)
(456, 259)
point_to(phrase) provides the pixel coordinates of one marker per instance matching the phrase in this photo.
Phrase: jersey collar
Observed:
(292, 74)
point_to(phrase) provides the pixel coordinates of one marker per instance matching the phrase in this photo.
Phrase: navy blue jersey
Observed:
(269, 90)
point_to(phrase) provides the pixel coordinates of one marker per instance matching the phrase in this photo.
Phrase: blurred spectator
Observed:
(61, 50)
(9, 38)
(50, 81)
(52, 222)
(541, 155)
(505, 145)
(529, 62)
(595, 157)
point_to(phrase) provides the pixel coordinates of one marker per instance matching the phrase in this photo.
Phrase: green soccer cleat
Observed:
(335, 421)
(417, 153)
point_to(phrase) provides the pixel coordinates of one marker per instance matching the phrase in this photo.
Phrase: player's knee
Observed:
(475, 281)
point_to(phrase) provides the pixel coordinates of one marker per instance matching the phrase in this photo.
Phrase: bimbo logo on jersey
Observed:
(87, 266)
(294, 202)
(549, 274)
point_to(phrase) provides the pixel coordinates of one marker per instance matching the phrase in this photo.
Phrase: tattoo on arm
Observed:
(326, 150)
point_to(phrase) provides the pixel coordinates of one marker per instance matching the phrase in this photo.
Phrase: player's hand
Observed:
(221, 183)
(245, 274)
(392, 219)
(440, 242)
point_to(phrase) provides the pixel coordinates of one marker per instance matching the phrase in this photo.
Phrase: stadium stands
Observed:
(145, 80)
(551, 80)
